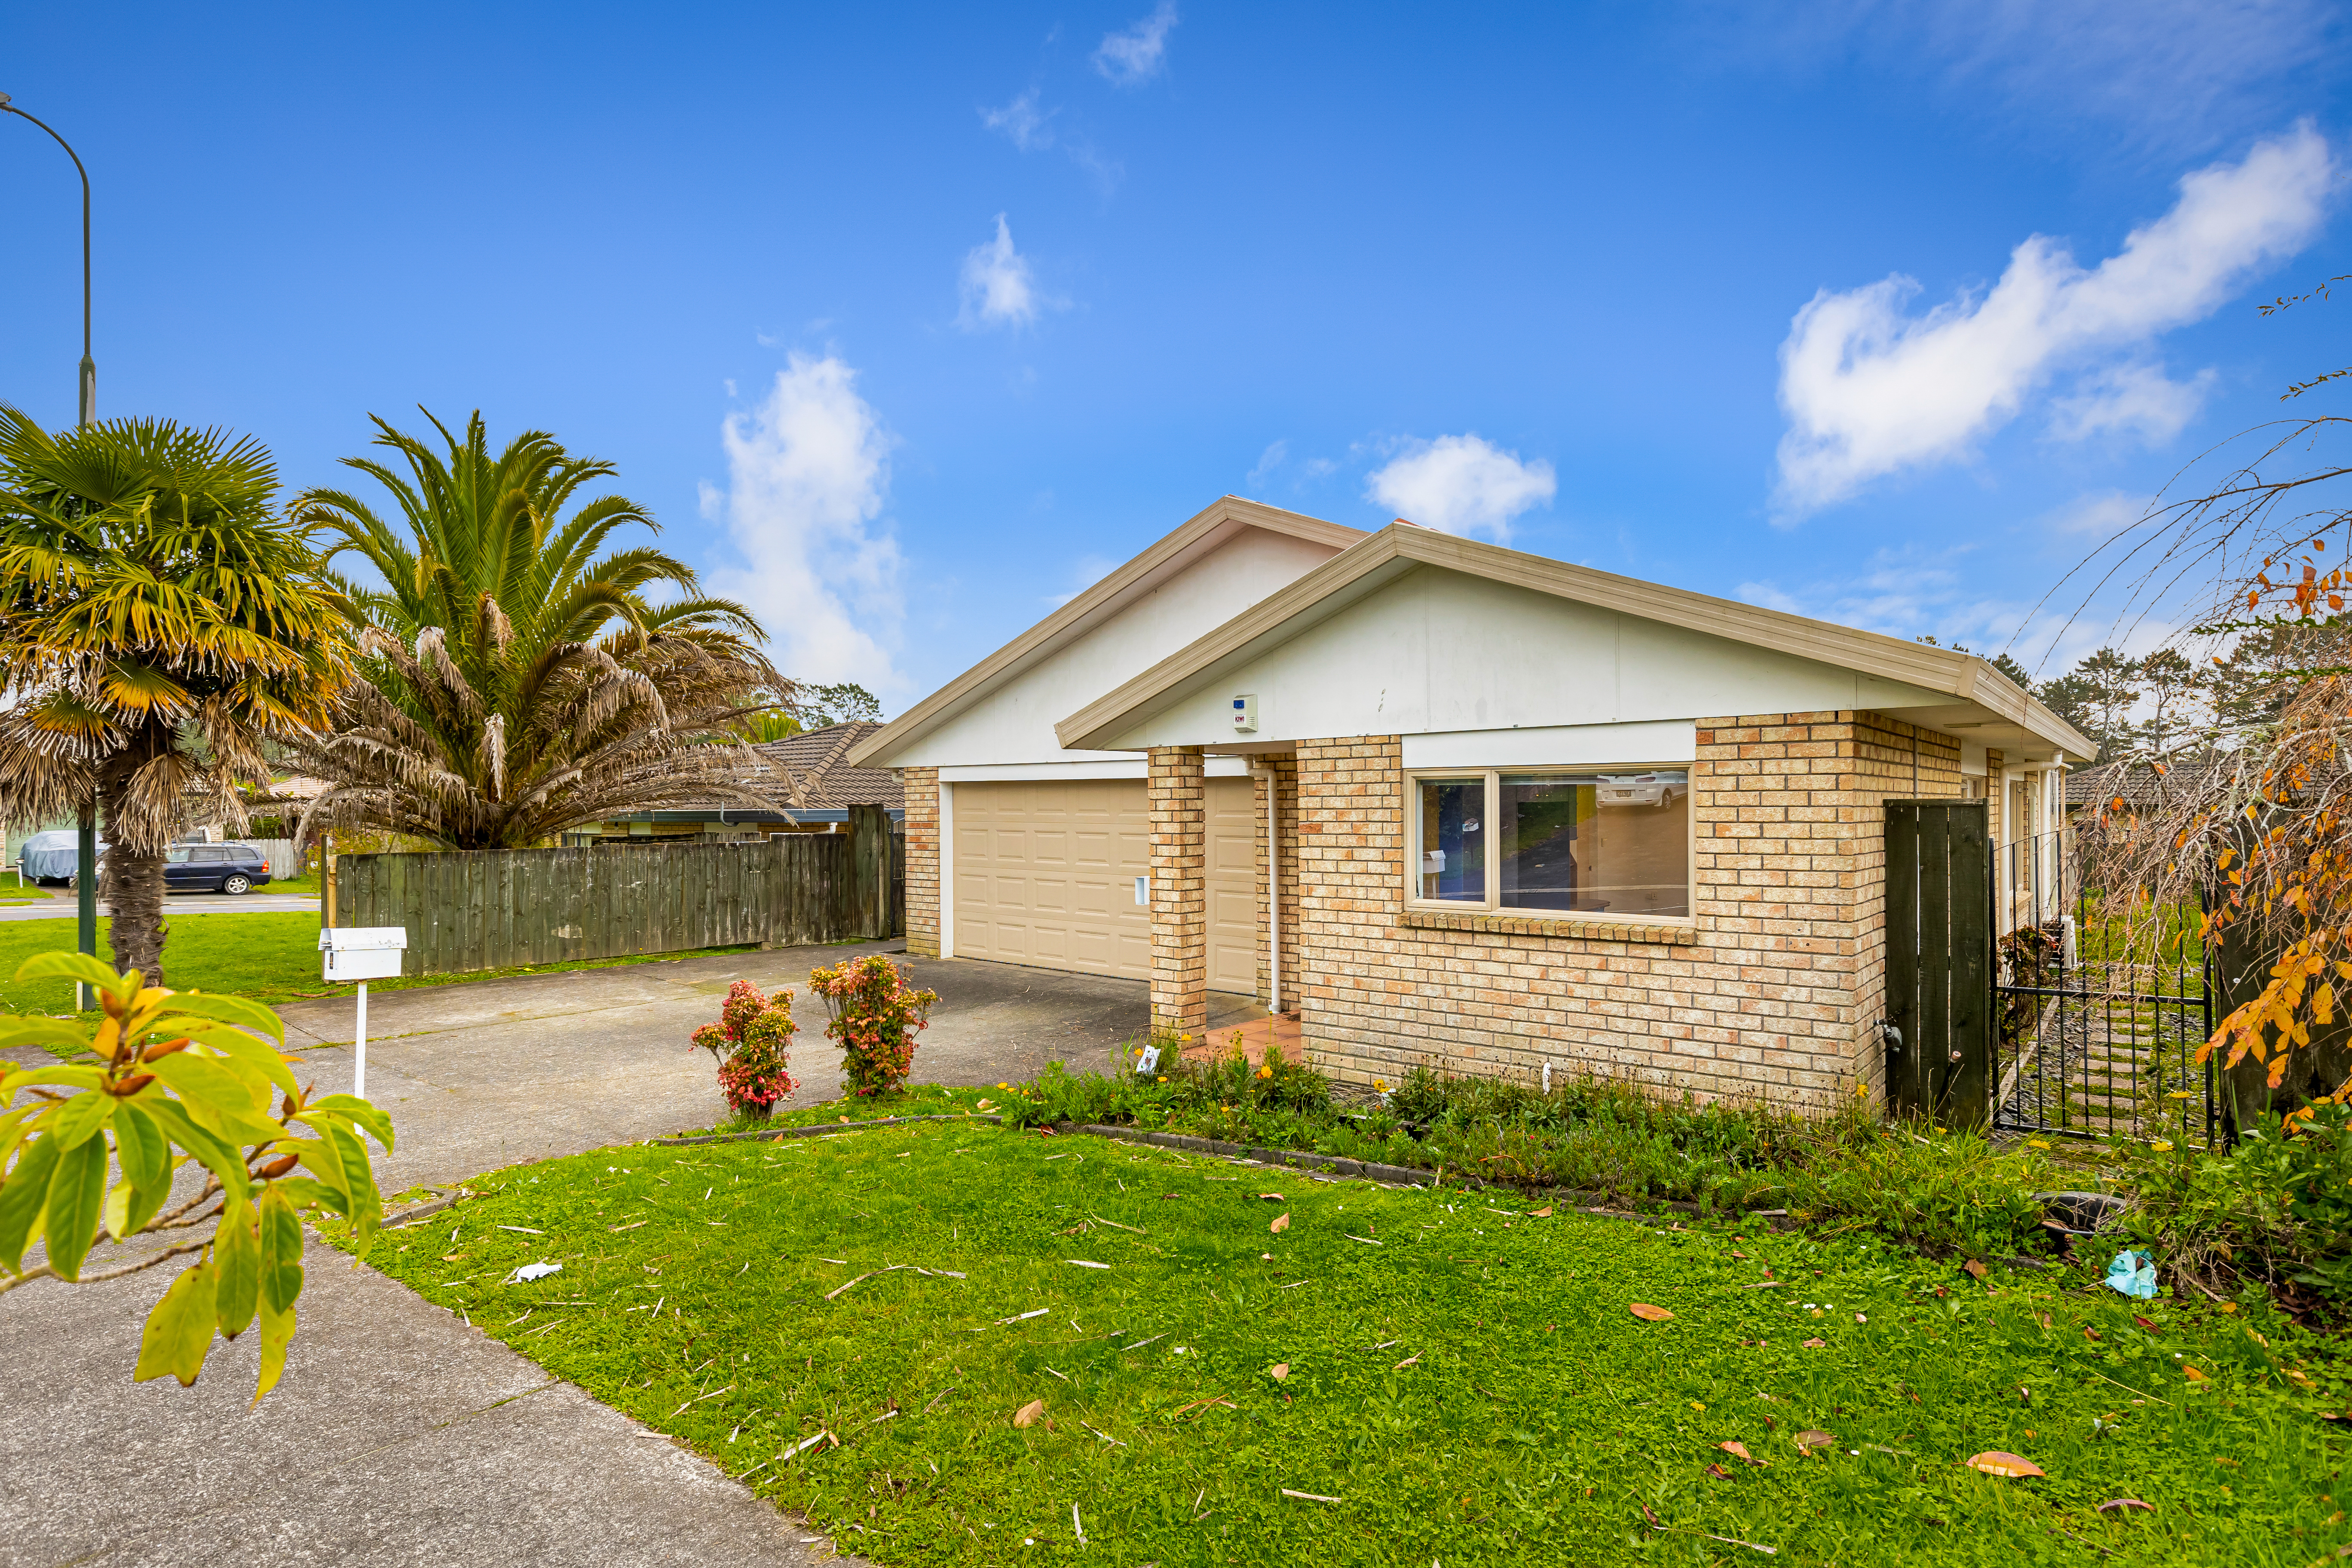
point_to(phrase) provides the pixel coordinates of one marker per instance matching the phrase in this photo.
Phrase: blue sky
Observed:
(905, 323)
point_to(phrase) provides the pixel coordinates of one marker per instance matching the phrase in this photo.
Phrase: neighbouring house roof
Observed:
(804, 775)
(818, 760)
(1088, 609)
(295, 789)
(2136, 781)
(1984, 704)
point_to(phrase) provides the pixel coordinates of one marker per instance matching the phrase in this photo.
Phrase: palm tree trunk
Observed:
(133, 886)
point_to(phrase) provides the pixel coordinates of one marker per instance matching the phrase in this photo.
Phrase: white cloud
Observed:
(1135, 56)
(1024, 123)
(1870, 390)
(1277, 454)
(2130, 400)
(2172, 73)
(2103, 512)
(1462, 484)
(1084, 573)
(996, 284)
(807, 474)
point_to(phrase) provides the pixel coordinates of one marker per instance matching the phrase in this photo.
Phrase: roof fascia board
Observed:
(1199, 534)
(1933, 668)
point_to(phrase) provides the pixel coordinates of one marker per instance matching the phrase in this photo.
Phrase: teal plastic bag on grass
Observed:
(2133, 1273)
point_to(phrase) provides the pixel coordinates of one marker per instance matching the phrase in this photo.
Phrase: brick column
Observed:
(926, 860)
(1180, 898)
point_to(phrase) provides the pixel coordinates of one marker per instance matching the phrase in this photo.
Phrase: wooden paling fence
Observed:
(500, 909)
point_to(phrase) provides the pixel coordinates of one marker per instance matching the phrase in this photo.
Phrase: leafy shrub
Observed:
(1939, 1190)
(750, 1042)
(157, 1079)
(2276, 1210)
(875, 1017)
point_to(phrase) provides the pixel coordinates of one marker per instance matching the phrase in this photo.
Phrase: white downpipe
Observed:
(1273, 780)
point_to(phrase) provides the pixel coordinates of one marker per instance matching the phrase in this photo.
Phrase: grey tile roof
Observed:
(813, 758)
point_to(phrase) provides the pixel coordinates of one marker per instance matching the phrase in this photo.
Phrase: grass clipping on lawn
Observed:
(937, 1341)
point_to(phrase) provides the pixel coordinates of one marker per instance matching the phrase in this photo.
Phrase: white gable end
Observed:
(1013, 724)
(1438, 651)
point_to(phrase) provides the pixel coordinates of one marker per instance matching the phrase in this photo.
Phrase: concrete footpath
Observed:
(398, 1435)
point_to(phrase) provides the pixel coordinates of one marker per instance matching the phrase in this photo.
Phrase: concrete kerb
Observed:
(816, 1129)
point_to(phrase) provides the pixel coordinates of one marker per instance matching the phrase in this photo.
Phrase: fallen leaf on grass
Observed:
(2195, 1375)
(1817, 1344)
(1271, 1197)
(1809, 1441)
(1718, 1472)
(1653, 1518)
(1994, 1462)
(1027, 1415)
(1281, 1370)
(1740, 1451)
(1975, 1267)
(1543, 1213)
(2113, 1504)
(1281, 1223)
(2145, 1323)
(1648, 1313)
(1862, 1317)
(1409, 1361)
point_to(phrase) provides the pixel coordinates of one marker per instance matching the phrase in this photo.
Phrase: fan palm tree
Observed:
(514, 681)
(162, 625)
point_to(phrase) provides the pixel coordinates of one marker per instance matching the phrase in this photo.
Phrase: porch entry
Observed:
(2010, 1004)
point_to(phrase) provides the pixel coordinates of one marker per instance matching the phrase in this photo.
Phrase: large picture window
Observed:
(1609, 841)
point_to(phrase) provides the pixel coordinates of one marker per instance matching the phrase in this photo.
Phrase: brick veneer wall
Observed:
(926, 860)
(1286, 788)
(1178, 798)
(1764, 994)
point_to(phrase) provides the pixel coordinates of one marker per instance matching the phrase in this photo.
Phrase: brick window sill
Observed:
(1583, 930)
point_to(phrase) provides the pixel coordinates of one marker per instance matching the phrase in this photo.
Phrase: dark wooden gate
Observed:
(1940, 960)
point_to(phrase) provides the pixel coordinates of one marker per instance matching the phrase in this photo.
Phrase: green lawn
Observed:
(271, 958)
(1465, 1380)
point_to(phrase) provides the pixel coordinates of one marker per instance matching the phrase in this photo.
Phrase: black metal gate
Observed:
(2098, 1025)
(1938, 959)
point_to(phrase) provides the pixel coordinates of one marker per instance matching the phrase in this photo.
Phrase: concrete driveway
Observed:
(398, 1435)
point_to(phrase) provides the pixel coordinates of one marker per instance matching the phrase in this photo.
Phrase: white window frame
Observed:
(1493, 905)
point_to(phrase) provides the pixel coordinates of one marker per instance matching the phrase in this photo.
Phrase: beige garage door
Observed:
(1044, 874)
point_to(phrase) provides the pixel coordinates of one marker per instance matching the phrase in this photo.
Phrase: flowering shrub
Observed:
(876, 1016)
(749, 1042)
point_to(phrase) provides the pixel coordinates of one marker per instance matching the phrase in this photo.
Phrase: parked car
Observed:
(212, 869)
(1642, 789)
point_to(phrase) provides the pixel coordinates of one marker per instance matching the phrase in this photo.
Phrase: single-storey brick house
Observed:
(1515, 812)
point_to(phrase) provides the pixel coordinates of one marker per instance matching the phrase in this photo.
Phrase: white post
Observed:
(359, 1059)
(1273, 888)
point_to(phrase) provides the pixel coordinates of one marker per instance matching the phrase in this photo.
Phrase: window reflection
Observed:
(1453, 840)
(1615, 842)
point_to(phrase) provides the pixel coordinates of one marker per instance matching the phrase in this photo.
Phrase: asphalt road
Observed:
(254, 903)
(398, 1435)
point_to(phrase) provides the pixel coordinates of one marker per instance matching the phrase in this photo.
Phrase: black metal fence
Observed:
(2098, 1022)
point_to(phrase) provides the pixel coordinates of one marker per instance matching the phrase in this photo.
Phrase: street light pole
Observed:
(86, 404)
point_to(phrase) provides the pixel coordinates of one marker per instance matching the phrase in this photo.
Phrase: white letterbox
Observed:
(363, 952)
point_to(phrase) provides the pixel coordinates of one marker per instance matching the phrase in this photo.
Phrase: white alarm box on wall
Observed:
(363, 952)
(1245, 715)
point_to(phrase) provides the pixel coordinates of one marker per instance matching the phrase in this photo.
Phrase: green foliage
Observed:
(1466, 1379)
(842, 702)
(161, 1079)
(2275, 1210)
